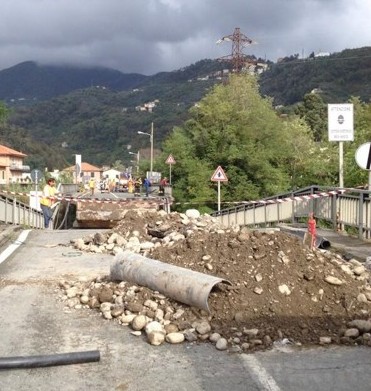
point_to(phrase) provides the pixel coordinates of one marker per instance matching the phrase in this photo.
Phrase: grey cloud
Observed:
(149, 36)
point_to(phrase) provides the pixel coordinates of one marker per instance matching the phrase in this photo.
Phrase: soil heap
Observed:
(280, 289)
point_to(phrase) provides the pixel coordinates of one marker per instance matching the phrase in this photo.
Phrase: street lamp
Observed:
(151, 139)
(137, 155)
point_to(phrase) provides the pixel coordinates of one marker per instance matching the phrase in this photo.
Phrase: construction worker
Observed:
(130, 185)
(47, 201)
(163, 183)
(92, 185)
(137, 186)
(312, 230)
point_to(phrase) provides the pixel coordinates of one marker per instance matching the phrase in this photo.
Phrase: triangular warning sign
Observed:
(219, 175)
(170, 160)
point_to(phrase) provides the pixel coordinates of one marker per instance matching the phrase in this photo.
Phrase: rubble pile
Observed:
(280, 289)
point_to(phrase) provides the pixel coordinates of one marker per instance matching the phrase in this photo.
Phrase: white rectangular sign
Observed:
(340, 122)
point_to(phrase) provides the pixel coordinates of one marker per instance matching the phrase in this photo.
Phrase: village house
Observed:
(87, 171)
(12, 166)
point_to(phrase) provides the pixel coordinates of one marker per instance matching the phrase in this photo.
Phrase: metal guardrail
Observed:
(15, 212)
(351, 209)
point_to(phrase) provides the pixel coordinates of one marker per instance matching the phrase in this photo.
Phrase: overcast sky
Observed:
(150, 36)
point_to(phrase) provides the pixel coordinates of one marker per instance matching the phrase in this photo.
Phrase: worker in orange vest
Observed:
(312, 230)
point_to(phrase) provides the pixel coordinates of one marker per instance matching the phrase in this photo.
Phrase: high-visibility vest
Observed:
(49, 191)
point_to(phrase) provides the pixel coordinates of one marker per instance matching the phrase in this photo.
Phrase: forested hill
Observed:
(29, 82)
(102, 122)
(337, 77)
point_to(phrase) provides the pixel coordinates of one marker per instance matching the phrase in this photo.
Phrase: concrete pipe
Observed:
(184, 285)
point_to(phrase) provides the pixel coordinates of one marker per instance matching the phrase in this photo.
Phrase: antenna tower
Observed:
(238, 59)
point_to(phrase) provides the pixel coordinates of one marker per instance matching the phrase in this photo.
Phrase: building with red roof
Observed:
(12, 165)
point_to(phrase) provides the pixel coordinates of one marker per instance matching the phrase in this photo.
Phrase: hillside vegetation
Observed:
(336, 77)
(96, 113)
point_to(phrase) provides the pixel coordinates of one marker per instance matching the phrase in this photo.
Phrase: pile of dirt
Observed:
(279, 286)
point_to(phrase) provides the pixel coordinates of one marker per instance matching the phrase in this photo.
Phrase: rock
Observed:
(352, 333)
(251, 333)
(139, 322)
(155, 338)
(284, 289)
(333, 280)
(192, 213)
(361, 298)
(190, 336)
(105, 294)
(127, 319)
(174, 338)
(154, 326)
(214, 337)
(104, 307)
(134, 307)
(364, 326)
(258, 277)
(151, 304)
(222, 344)
(258, 290)
(117, 311)
(171, 328)
(358, 270)
(203, 327)
(325, 340)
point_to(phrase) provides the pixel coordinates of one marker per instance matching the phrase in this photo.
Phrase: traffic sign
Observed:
(170, 160)
(363, 156)
(219, 175)
(340, 122)
(36, 176)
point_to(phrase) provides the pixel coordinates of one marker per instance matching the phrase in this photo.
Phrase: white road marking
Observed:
(9, 251)
(253, 365)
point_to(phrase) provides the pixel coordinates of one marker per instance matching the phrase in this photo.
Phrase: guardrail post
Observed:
(360, 214)
(334, 211)
(14, 210)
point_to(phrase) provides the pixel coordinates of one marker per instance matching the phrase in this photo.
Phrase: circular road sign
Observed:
(363, 156)
(36, 176)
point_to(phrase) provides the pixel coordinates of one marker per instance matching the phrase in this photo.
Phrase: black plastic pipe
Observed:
(321, 242)
(49, 360)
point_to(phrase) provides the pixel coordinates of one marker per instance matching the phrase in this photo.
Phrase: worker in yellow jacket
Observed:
(47, 200)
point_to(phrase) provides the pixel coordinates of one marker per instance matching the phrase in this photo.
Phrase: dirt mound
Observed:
(279, 287)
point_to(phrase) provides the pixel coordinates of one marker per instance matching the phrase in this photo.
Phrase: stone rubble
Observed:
(281, 290)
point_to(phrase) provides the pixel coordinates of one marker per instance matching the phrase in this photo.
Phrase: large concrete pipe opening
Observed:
(184, 285)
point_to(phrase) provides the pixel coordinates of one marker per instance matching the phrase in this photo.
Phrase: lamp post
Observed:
(137, 155)
(151, 139)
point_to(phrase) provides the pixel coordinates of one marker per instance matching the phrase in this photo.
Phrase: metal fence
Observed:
(339, 208)
(15, 212)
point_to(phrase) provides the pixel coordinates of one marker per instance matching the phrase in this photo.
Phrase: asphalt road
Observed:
(34, 322)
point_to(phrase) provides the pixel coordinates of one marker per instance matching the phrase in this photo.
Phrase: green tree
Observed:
(4, 112)
(314, 112)
(234, 127)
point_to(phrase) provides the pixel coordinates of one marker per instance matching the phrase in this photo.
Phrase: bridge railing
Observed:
(12, 211)
(341, 208)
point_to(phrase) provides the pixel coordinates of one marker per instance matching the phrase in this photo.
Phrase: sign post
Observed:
(340, 128)
(77, 167)
(170, 160)
(219, 176)
(36, 176)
